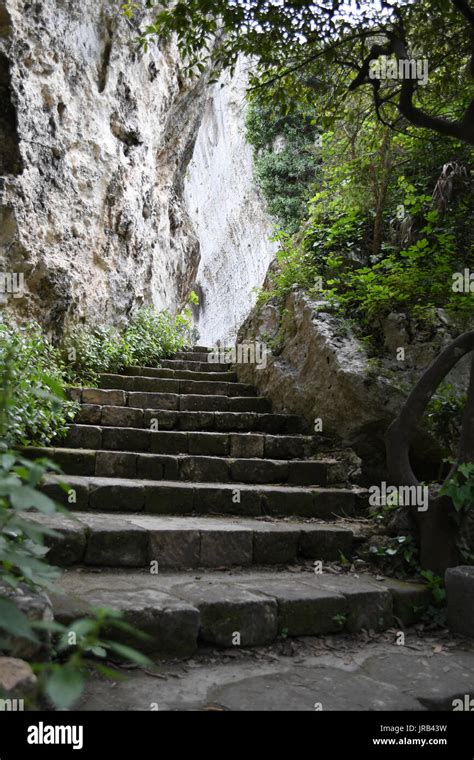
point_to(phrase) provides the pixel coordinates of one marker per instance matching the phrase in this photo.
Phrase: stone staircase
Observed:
(203, 516)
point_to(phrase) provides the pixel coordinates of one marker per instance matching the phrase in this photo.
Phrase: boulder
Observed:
(17, 682)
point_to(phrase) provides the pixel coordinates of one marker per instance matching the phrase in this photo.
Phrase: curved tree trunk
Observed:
(437, 528)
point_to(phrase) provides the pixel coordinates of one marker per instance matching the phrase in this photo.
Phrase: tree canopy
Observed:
(304, 50)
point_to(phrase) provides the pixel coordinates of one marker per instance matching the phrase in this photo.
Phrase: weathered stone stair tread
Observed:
(193, 366)
(249, 445)
(176, 497)
(106, 540)
(194, 356)
(179, 611)
(170, 401)
(143, 384)
(181, 374)
(186, 467)
(124, 416)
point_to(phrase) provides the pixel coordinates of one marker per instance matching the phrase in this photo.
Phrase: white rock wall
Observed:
(228, 212)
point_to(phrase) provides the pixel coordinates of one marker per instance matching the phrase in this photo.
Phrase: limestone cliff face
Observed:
(229, 214)
(95, 140)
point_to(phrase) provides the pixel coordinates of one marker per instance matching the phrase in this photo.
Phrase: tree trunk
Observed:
(437, 527)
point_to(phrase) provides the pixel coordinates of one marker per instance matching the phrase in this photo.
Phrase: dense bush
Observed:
(35, 372)
(149, 337)
(286, 161)
(32, 374)
(385, 231)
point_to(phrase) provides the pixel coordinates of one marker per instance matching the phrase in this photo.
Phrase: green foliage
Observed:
(460, 488)
(21, 541)
(443, 417)
(89, 351)
(23, 563)
(296, 267)
(367, 260)
(303, 50)
(399, 554)
(285, 161)
(33, 373)
(372, 230)
(435, 584)
(340, 619)
(193, 298)
(149, 337)
(63, 679)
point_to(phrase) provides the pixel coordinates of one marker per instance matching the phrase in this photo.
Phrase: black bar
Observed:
(318, 734)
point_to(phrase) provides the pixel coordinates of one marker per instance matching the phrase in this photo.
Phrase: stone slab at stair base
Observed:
(179, 611)
(372, 675)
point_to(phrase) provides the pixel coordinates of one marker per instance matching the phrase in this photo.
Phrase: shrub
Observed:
(149, 337)
(285, 160)
(387, 230)
(152, 336)
(89, 351)
(32, 374)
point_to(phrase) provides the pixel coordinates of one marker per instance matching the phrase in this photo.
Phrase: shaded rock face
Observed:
(229, 214)
(95, 139)
(319, 370)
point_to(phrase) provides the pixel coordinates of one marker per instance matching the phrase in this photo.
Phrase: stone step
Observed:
(88, 493)
(104, 540)
(180, 387)
(123, 416)
(181, 611)
(242, 445)
(163, 373)
(180, 364)
(209, 469)
(170, 401)
(192, 356)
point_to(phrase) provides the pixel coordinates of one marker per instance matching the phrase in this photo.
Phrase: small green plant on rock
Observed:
(83, 647)
(460, 488)
(435, 584)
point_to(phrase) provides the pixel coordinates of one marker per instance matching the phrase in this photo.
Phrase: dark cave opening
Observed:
(10, 158)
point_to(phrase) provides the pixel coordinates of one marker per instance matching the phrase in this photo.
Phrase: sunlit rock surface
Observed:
(228, 212)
